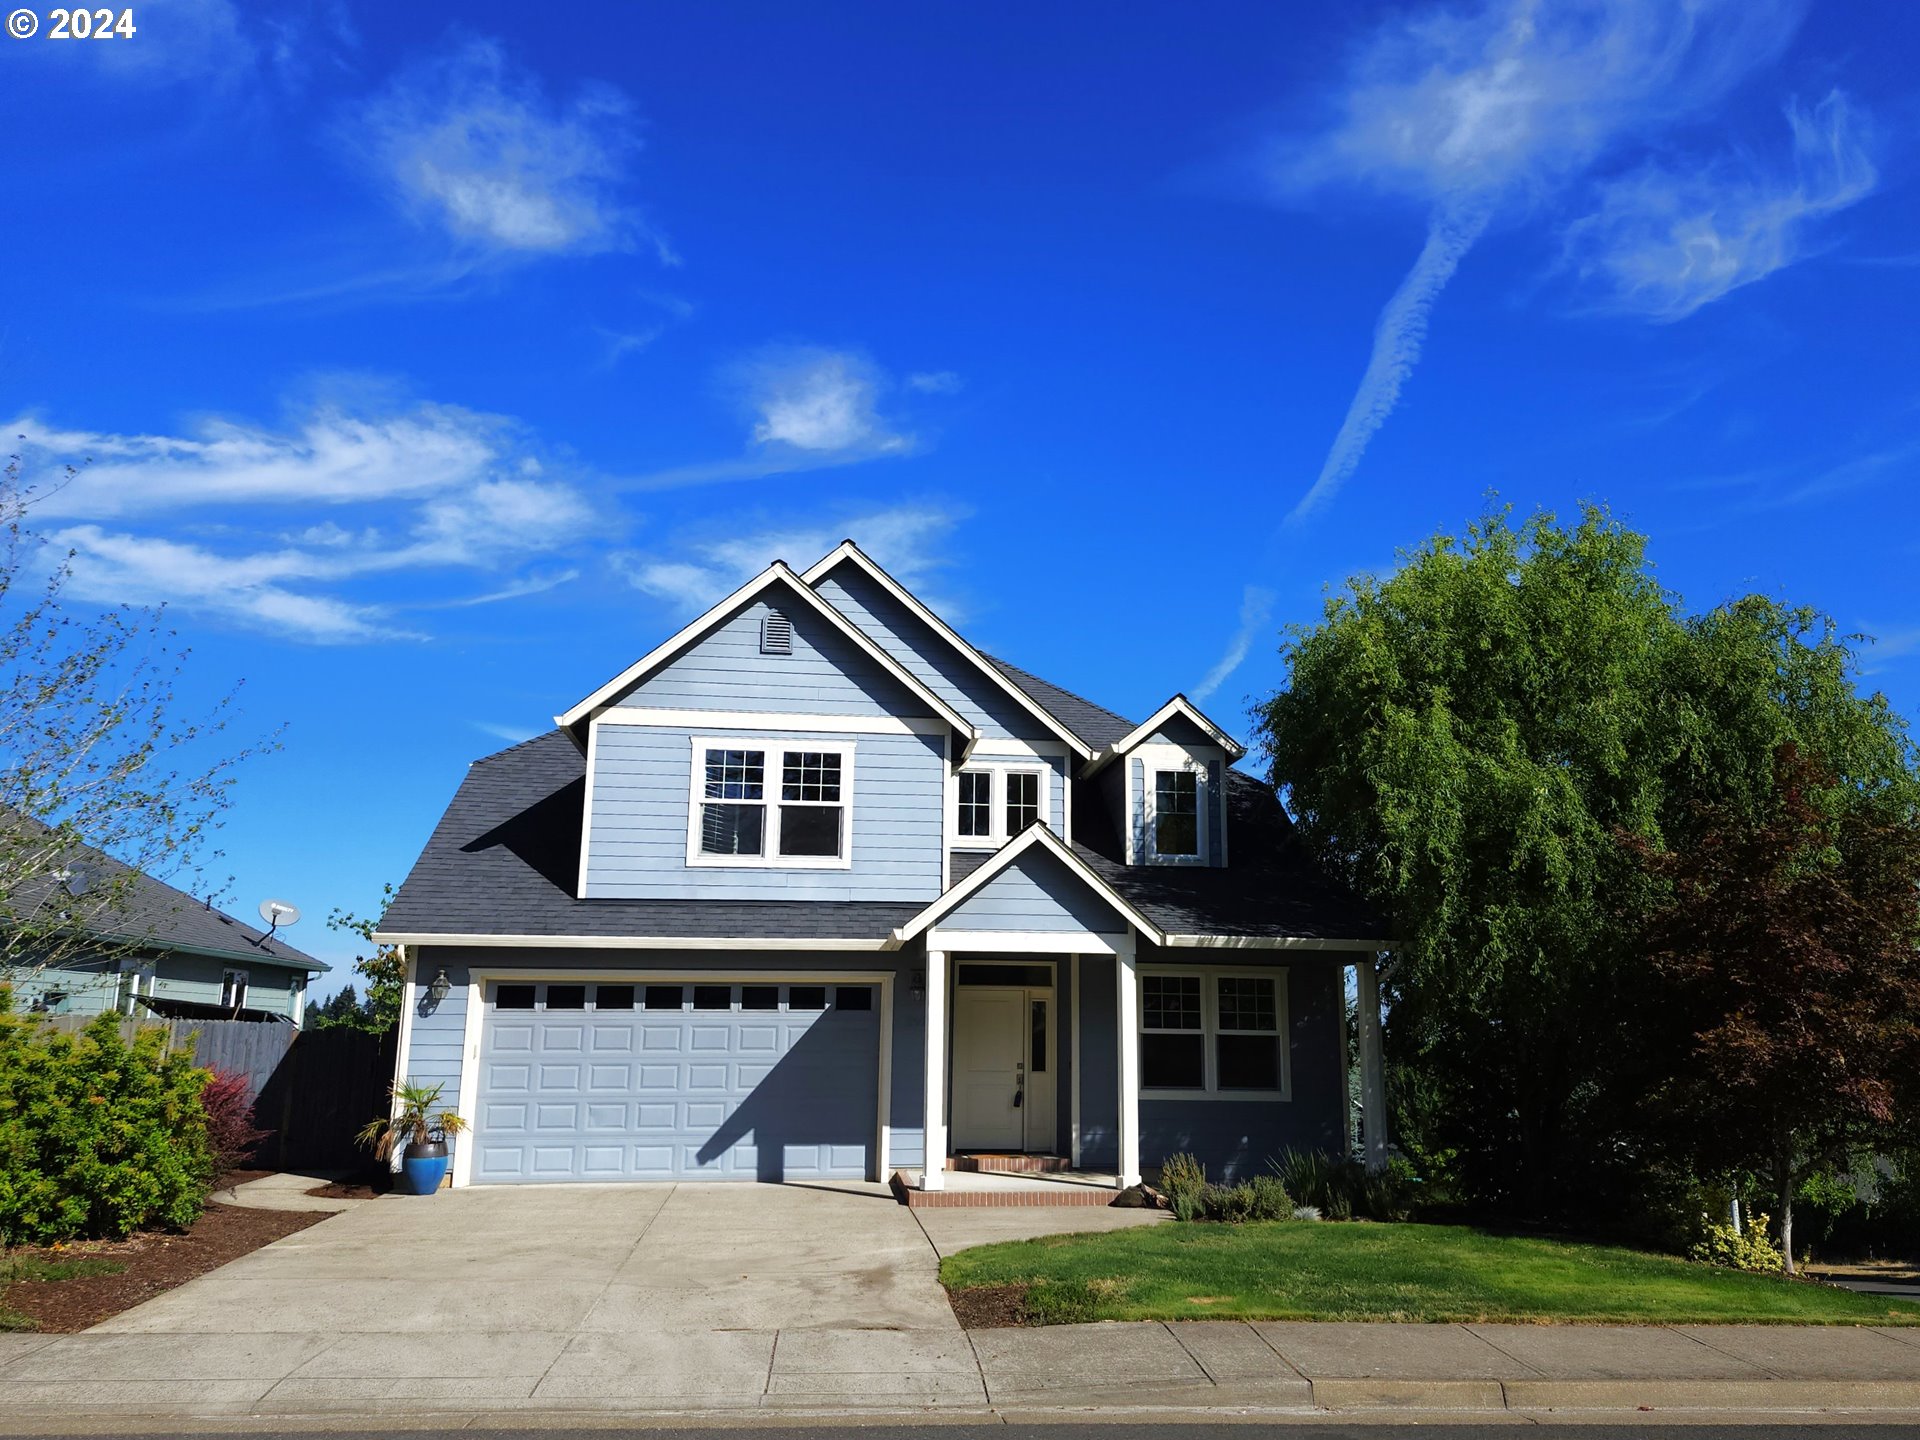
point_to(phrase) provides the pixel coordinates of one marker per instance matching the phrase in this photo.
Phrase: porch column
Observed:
(1373, 1069)
(1127, 1007)
(933, 1171)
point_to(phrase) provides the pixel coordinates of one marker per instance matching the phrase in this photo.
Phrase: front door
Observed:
(989, 1069)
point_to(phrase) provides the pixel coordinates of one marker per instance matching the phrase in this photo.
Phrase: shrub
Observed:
(97, 1136)
(1319, 1180)
(1752, 1249)
(1183, 1180)
(1270, 1198)
(1231, 1204)
(228, 1102)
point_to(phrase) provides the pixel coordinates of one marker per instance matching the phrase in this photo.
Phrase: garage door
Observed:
(697, 1081)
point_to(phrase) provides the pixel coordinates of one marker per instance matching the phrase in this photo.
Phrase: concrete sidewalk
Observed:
(520, 1375)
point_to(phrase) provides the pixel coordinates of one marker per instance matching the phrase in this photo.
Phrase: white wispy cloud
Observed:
(512, 734)
(908, 540)
(1471, 111)
(936, 382)
(1256, 611)
(473, 144)
(431, 490)
(807, 407)
(1664, 241)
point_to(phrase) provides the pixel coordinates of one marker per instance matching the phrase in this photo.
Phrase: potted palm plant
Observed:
(419, 1124)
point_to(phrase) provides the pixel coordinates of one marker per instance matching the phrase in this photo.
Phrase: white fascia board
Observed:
(1178, 705)
(1045, 839)
(628, 942)
(1271, 942)
(775, 573)
(847, 550)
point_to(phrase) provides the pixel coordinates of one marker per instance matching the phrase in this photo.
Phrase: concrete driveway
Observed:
(593, 1258)
(565, 1297)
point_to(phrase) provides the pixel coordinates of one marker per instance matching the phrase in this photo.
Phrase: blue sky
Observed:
(435, 361)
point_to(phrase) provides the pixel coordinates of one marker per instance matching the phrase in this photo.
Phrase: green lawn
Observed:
(1300, 1270)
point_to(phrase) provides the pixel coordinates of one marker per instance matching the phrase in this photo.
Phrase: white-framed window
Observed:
(774, 804)
(233, 989)
(1175, 808)
(993, 803)
(1214, 1033)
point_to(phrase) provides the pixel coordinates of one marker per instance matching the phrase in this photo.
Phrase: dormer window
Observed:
(1176, 814)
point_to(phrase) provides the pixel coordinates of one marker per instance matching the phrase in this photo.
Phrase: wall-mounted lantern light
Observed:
(441, 986)
(919, 982)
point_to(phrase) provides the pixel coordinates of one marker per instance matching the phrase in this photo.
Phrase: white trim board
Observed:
(734, 943)
(780, 722)
(846, 550)
(777, 573)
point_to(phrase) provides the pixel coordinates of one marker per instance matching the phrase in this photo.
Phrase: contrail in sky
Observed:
(1397, 338)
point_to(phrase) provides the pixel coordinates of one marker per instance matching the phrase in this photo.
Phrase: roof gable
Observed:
(1177, 714)
(779, 582)
(1036, 864)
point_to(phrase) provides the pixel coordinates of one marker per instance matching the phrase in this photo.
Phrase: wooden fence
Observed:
(312, 1088)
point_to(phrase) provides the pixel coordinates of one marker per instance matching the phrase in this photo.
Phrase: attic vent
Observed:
(776, 634)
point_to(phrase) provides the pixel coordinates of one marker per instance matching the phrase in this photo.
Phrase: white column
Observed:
(1127, 1007)
(1373, 1069)
(933, 1173)
(1073, 1051)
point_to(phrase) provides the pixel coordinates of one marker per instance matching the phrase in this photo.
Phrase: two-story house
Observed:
(815, 889)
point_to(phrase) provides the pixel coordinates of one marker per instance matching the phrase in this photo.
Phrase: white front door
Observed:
(989, 1068)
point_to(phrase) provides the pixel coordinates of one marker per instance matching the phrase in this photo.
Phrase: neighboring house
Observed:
(162, 952)
(815, 889)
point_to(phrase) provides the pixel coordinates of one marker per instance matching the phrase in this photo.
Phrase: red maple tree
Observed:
(1785, 948)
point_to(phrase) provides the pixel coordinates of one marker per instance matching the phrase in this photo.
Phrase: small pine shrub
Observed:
(1753, 1249)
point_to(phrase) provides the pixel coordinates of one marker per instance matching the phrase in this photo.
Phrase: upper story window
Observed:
(800, 815)
(1173, 794)
(994, 803)
(1176, 813)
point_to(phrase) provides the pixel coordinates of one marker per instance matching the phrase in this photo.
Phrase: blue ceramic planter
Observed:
(423, 1168)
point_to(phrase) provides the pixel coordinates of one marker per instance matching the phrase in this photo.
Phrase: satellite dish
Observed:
(277, 913)
(78, 879)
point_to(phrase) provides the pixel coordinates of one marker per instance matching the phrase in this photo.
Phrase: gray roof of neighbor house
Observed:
(153, 915)
(505, 858)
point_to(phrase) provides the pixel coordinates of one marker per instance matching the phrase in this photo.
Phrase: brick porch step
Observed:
(1000, 1163)
(1039, 1194)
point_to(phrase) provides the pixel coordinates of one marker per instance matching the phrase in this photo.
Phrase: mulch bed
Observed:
(990, 1307)
(350, 1190)
(155, 1263)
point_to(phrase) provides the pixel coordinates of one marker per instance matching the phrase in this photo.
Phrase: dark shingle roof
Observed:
(1095, 724)
(152, 914)
(505, 859)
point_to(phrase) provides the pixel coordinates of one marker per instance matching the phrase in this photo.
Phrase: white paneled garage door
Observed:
(708, 1080)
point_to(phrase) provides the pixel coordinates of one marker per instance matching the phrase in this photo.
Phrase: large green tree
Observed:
(1477, 742)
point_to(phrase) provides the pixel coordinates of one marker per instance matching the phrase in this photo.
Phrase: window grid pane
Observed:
(976, 803)
(810, 775)
(1246, 1003)
(1170, 1002)
(1023, 801)
(736, 774)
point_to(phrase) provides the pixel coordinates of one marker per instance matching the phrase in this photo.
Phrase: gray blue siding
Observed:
(827, 673)
(1035, 892)
(931, 660)
(637, 842)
